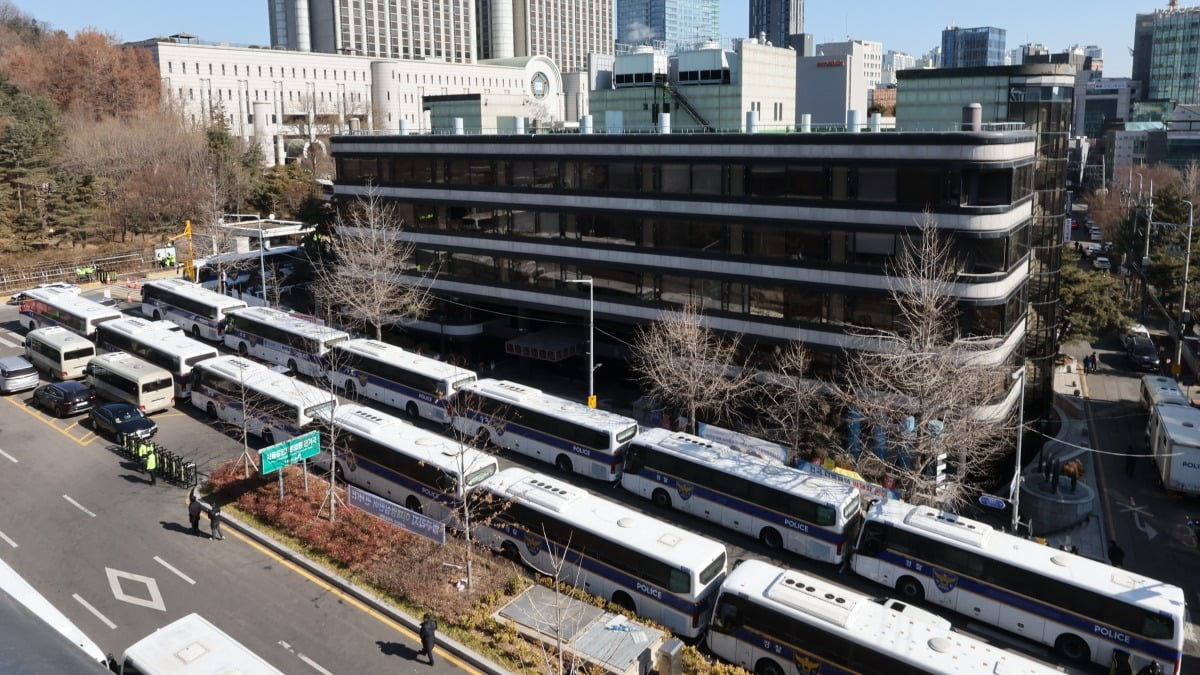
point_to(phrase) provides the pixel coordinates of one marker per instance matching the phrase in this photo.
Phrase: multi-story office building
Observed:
(397, 29)
(678, 24)
(778, 237)
(865, 56)
(1167, 54)
(777, 20)
(1034, 96)
(566, 31)
(972, 47)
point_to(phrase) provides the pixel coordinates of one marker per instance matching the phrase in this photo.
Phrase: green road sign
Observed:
(275, 457)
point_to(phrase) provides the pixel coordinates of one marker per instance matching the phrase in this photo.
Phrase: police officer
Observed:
(148, 459)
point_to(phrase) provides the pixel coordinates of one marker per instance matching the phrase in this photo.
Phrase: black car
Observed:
(65, 398)
(122, 419)
(1143, 354)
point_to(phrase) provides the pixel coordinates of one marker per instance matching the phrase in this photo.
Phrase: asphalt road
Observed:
(114, 553)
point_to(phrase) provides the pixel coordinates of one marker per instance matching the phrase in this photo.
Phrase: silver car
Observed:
(17, 374)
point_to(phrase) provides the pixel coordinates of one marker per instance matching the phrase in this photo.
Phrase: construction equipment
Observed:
(189, 263)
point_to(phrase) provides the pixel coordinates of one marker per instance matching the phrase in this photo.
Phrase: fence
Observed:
(98, 267)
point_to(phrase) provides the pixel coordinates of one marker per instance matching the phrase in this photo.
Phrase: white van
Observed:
(121, 377)
(59, 352)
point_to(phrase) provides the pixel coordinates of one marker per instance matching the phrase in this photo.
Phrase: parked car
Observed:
(1143, 354)
(122, 419)
(17, 374)
(1137, 330)
(1096, 234)
(1101, 263)
(65, 398)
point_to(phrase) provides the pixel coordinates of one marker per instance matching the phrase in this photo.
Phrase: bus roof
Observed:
(518, 394)
(256, 376)
(128, 364)
(183, 346)
(57, 336)
(431, 448)
(605, 518)
(1180, 423)
(764, 471)
(29, 642)
(193, 645)
(403, 357)
(198, 292)
(70, 300)
(293, 324)
(1056, 564)
(911, 636)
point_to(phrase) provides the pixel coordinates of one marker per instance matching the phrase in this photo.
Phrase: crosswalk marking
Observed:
(6, 342)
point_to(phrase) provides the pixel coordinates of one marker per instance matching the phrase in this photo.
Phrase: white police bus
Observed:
(655, 570)
(161, 343)
(1083, 608)
(192, 646)
(418, 385)
(280, 338)
(66, 308)
(568, 434)
(389, 457)
(271, 405)
(118, 376)
(773, 621)
(783, 507)
(194, 308)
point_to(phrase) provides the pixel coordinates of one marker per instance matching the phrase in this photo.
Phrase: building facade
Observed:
(566, 31)
(395, 29)
(678, 24)
(776, 20)
(1038, 97)
(829, 87)
(778, 237)
(867, 57)
(1175, 55)
(972, 47)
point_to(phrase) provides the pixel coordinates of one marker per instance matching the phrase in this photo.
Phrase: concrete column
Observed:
(876, 122)
(852, 121)
(806, 123)
(403, 127)
(458, 126)
(664, 123)
(751, 121)
(972, 117)
(585, 124)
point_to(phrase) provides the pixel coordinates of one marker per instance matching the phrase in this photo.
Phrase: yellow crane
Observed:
(189, 263)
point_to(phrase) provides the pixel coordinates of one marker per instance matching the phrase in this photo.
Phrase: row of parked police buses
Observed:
(757, 615)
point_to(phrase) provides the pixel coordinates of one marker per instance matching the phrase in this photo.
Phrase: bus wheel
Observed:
(32, 325)
(157, 315)
(661, 498)
(621, 599)
(291, 365)
(412, 411)
(509, 551)
(771, 538)
(268, 437)
(351, 390)
(563, 463)
(242, 349)
(413, 504)
(1072, 648)
(211, 410)
(767, 667)
(195, 331)
(910, 589)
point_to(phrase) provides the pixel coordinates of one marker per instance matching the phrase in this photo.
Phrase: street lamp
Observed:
(1015, 497)
(591, 337)
(1187, 260)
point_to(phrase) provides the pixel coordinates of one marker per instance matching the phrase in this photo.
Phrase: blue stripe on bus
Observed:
(290, 351)
(43, 320)
(535, 542)
(805, 662)
(411, 484)
(189, 316)
(687, 490)
(610, 461)
(1031, 605)
(230, 402)
(403, 390)
(182, 380)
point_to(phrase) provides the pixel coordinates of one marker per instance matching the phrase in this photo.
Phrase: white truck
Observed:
(1173, 435)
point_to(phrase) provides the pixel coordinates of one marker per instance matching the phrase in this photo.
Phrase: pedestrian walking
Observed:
(194, 510)
(1130, 461)
(151, 463)
(214, 522)
(1116, 555)
(428, 637)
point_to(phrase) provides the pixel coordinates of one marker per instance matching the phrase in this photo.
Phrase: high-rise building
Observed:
(867, 58)
(566, 31)
(381, 28)
(1166, 56)
(675, 23)
(777, 19)
(972, 47)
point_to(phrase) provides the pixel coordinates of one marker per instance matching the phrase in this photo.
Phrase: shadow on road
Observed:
(396, 649)
(172, 526)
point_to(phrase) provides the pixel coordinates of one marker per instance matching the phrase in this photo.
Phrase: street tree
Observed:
(793, 408)
(925, 388)
(366, 273)
(1093, 301)
(682, 363)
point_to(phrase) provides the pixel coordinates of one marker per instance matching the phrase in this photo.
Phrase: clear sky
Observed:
(914, 27)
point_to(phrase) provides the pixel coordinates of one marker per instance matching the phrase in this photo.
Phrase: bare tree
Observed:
(924, 387)
(793, 408)
(683, 363)
(368, 273)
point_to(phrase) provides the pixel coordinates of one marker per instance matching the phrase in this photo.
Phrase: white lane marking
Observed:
(10, 541)
(6, 343)
(9, 457)
(315, 666)
(95, 611)
(155, 601)
(79, 506)
(181, 575)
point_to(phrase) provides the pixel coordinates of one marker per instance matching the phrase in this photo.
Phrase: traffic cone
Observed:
(129, 298)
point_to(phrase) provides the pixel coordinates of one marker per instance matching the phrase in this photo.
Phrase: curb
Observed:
(361, 594)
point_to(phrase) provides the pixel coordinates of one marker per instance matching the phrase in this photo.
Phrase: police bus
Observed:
(385, 455)
(192, 645)
(59, 352)
(66, 308)
(161, 343)
(568, 434)
(773, 621)
(1160, 390)
(784, 507)
(1085, 609)
(280, 338)
(192, 307)
(118, 376)
(651, 568)
(418, 385)
(271, 405)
